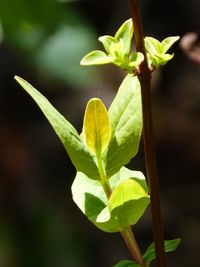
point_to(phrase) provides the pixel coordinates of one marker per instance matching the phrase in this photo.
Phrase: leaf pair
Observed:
(125, 206)
(149, 255)
(119, 143)
(118, 50)
(129, 197)
(116, 135)
(156, 51)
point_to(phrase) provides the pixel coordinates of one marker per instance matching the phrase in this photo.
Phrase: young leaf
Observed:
(125, 33)
(82, 159)
(126, 263)
(162, 59)
(107, 40)
(96, 126)
(90, 198)
(125, 115)
(96, 57)
(118, 49)
(127, 203)
(156, 51)
(168, 42)
(136, 59)
(152, 45)
(170, 246)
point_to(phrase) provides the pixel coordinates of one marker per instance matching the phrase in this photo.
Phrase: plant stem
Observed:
(106, 187)
(132, 245)
(149, 147)
(127, 233)
(104, 180)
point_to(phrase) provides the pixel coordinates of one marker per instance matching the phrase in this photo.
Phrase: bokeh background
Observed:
(43, 41)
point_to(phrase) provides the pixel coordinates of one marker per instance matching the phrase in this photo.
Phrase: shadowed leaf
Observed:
(170, 246)
(80, 156)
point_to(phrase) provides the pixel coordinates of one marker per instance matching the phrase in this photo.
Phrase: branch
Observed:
(149, 147)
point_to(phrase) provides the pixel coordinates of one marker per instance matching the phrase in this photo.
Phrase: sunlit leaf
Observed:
(160, 59)
(96, 57)
(96, 126)
(136, 59)
(164, 58)
(153, 46)
(156, 51)
(117, 50)
(89, 196)
(125, 115)
(168, 42)
(107, 40)
(125, 33)
(80, 156)
(128, 202)
(125, 173)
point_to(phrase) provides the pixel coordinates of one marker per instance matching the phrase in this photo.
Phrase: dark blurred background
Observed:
(43, 41)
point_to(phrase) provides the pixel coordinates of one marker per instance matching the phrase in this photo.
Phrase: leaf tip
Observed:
(82, 62)
(20, 80)
(17, 78)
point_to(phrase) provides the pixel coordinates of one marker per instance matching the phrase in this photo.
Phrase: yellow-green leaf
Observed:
(122, 209)
(96, 126)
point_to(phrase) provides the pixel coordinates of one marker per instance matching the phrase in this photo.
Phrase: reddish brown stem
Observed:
(132, 245)
(149, 147)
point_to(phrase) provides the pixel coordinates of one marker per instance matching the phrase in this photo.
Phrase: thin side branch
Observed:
(148, 139)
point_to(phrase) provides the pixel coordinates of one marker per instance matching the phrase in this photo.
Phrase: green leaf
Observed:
(168, 42)
(156, 51)
(164, 58)
(125, 173)
(96, 57)
(152, 45)
(118, 49)
(136, 59)
(170, 246)
(80, 156)
(88, 195)
(107, 40)
(125, 115)
(125, 33)
(126, 263)
(160, 59)
(96, 126)
(127, 203)
(90, 198)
